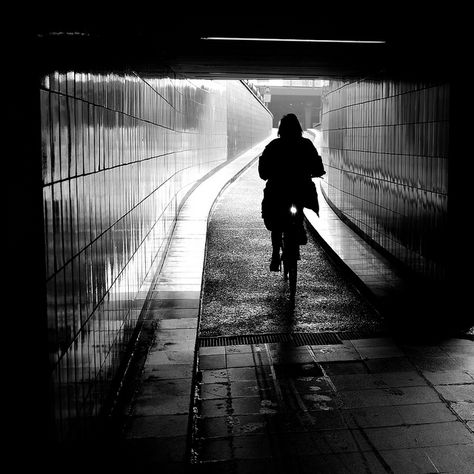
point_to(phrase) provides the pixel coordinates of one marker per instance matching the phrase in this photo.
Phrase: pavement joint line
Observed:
(443, 399)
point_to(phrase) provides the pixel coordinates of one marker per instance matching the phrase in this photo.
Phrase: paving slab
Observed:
(345, 410)
(390, 364)
(420, 436)
(158, 426)
(168, 371)
(465, 410)
(388, 397)
(383, 380)
(416, 460)
(457, 393)
(161, 404)
(448, 377)
(400, 415)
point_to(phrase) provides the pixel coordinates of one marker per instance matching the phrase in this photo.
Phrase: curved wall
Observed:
(119, 152)
(385, 149)
(247, 124)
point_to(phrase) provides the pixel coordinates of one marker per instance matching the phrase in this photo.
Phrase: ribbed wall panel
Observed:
(385, 148)
(119, 153)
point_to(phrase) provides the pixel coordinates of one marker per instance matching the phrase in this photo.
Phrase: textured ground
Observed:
(241, 295)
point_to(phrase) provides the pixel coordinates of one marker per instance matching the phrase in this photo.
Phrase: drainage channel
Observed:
(296, 339)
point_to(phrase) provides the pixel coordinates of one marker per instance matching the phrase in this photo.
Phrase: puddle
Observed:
(317, 398)
(268, 407)
(299, 370)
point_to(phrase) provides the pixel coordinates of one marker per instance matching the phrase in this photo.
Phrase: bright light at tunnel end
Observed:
(291, 40)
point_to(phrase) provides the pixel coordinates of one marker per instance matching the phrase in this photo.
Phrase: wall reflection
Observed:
(118, 154)
(385, 147)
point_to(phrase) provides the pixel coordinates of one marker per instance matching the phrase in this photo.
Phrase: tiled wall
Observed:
(118, 153)
(385, 148)
(245, 124)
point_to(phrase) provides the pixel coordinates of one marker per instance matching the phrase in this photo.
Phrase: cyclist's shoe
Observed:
(275, 263)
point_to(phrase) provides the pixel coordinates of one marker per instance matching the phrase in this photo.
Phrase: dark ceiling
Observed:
(418, 43)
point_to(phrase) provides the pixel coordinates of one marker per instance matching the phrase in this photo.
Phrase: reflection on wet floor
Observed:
(367, 405)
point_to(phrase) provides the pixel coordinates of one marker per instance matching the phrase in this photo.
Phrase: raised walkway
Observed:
(157, 421)
(357, 405)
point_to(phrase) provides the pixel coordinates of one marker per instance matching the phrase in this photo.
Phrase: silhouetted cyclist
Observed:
(287, 164)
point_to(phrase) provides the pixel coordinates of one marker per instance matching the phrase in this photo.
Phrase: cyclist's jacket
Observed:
(288, 166)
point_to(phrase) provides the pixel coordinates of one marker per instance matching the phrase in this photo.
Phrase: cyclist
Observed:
(287, 164)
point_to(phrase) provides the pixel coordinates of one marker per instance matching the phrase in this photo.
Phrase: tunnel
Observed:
(116, 125)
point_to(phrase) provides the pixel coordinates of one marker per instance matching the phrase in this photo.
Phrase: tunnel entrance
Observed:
(121, 152)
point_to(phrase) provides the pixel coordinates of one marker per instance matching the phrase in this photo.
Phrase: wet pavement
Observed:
(360, 403)
(241, 295)
(366, 405)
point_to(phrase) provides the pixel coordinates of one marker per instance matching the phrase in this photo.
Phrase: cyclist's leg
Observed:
(276, 240)
(276, 244)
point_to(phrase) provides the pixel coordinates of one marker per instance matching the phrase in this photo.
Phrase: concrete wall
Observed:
(385, 147)
(119, 153)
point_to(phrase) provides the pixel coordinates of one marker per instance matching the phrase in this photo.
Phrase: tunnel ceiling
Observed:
(155, 44)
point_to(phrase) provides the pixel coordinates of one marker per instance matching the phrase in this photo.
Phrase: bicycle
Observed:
(291, 247)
